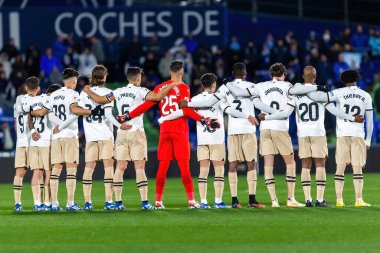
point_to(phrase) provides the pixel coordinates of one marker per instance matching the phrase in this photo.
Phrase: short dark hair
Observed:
(208, 80)
(239, 69)
(53, 88)
(68, 73)
(132, 73)
(277, 70)
(32, 83)
(99, 72)
(350, 76)
(176, 66)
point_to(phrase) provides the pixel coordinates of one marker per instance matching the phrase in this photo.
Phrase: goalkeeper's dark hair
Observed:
(32, 83)
(208, 80)
(53, 88)
(176, 66)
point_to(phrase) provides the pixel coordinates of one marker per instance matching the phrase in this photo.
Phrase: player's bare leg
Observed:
(54, 185)
(252, 184)
(42, 187)
(269, 179)
(87, 184)
(142, 184)
(121, 166)
(306, 180)
(108, 181)
(339, 184)
(320, 176)
(358, 185)
(47, 196)
(233, 181)
(160, 182)
(71, 182)
(202, 182)
(35, 184)
(17, 187)
(219, 184)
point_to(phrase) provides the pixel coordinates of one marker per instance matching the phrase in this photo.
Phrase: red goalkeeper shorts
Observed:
(173, 146)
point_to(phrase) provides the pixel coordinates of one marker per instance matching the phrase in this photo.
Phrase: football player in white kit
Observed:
(211, 145)
(312, 143)
(21, 155)
(242, 143)
(351, 146)
(274, 136)
(65, 146)
(98, 131)
(130, 145)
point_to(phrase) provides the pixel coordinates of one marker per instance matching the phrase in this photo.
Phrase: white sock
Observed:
(320, 200)
(359, 199)
(218, 200)
(37, 203)
(204, 201)
(70, 203)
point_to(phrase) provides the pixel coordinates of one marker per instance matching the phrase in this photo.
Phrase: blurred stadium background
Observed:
(42, 37)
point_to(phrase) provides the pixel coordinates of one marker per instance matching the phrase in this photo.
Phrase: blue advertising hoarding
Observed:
(42, 25)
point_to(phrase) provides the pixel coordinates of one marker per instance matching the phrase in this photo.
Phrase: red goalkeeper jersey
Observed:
(170, 104)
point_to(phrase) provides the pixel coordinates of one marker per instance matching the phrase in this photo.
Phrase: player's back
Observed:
(170, 104)
(96, 127)
(353, 101)
(41, 124)
(310, 116)
(59, 103)
(127, 99)
(22, 130)
(275, 94)
(242, 104)
(206, 135)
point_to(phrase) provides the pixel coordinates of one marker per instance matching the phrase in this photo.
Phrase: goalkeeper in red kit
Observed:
(174, 134)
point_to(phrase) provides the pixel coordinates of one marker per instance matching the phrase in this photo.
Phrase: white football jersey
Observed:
(310, 116)
(96, 128)
(127, 99)
(59, 103)
(275, 94)
(205, 135)
(41, 124)
(22, 127)
(353, 101)
(242, 104)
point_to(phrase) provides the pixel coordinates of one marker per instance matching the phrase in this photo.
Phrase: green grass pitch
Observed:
(178, 229)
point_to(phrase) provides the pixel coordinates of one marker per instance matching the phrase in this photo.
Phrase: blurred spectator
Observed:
(49, 61)
(87, 62)
(6, 137)
(134, 51)
(280, 52)
(345, 37)
(11, 49)
(55, 76)
(112, 50)
(269, 42)
(70, 59)
(191, 44)
(6, 64)
(359, 39)
(97, 49)
(312, 41)
(155, 46)
(183, 55)
(339, 66)
(164, 64)
(59, 47)
(3, 81)
(266, 56)
(151, 64)
(326, 42)
(374, 43)
(44, 81)
(324, 71)
(32, 60)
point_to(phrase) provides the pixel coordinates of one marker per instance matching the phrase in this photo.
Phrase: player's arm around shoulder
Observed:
(98, 98)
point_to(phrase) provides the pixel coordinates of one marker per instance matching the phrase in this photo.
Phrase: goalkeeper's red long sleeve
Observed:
(192, 114)
(141, 109)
